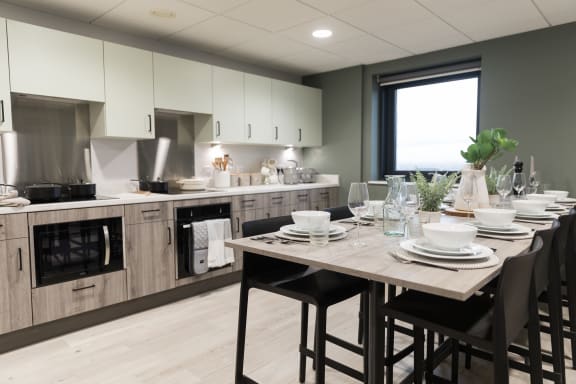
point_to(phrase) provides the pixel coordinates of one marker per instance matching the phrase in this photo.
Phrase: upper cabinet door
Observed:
(228, 119)
(283, 112)
(258, 99)
(52, 63)
(182, 85)
(309, 116)
(5, 104)
(128, 111)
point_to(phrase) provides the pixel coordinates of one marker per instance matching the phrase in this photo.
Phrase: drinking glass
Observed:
(410, 206)
(534, 182)
(358, 205)
(468, 191)
(504, 187)
(519, 183)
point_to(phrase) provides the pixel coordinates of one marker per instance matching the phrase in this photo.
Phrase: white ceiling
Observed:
(277, 33)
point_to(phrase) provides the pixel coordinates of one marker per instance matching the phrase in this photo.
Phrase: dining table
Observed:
(375, 262)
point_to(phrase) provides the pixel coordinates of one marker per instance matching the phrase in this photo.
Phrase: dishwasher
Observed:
(190, 261)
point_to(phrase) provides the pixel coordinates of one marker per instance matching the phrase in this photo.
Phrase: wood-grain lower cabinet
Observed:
(149, 244)
(73, 297)
(323, 198)
(278, 204)
(15, 306)
(300, 200)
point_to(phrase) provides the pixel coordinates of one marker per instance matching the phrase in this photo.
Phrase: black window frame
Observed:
(387, 116)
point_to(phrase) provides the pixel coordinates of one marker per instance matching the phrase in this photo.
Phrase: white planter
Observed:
(429, 217)
(481, 196)
(494, 200)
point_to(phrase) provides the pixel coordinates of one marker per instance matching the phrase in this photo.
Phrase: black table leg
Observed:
(375, 335)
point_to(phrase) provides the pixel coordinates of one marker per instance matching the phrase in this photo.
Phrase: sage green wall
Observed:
(528, 86)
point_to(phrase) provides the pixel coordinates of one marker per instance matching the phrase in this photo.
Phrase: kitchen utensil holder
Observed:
(221, 179)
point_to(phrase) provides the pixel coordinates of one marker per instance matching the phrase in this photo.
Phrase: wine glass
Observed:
(503, 187)
(468, 191)
(358, 205)
(519, 183)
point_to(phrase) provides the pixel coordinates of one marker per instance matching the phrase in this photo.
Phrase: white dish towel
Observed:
(218, 231)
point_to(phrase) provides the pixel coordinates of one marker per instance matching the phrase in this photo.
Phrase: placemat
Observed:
(506, 237)
(534, 221)
(490, 261)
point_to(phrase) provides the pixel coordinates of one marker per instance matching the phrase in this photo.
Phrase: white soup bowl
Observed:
(309, 219)
(550, 199)
(495, 217)
(449, 236)
(529, 206)
(559, 194)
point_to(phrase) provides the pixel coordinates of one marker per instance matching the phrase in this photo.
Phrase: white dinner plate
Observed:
(306, 238)
(480, 226)
(536, 216)
(296, 230)
(513, 229)
(427, 247)
(555, 207)
(566, 200)
(482, 253)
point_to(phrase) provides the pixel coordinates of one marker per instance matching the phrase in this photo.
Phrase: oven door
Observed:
(68, 251)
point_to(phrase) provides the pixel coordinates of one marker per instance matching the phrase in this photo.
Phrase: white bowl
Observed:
(530, 206)
(541, 196)
(495, 217)
(449, 236)
(559, 194)
(309, 219)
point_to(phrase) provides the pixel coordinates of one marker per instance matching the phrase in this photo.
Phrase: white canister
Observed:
(221, 179)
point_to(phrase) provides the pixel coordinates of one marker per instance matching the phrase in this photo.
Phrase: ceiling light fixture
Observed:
(322, 33)
(163, 13)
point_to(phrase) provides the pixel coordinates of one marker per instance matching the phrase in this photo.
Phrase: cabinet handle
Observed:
(19, 259)
(217, 128)
(2, 110)
(150, 123)
(276, 133)
(169, 235)
(299, 134)
(237, 225)
(150, 211)
(83, 288)
(249, 131)
(106, 244)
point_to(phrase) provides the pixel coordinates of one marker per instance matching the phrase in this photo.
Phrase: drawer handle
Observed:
(278, 198)
(217, 129)
(276, 133)
(324, 193)
(83, 288)
(150, 211)
(237, 225)
(299, 134)
(150, 123)
(2, 111)
(19, 259)
(249, 131)
(169, 235)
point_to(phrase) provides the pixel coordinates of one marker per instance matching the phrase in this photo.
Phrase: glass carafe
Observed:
(393, 210)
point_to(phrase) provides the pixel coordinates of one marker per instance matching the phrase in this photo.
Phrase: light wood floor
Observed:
(193, 342)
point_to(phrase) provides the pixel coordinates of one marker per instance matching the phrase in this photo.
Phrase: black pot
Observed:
(82, 190)
(158, 186)
(43, 193)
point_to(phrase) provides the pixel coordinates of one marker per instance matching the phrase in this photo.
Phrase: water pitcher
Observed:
(394, 217)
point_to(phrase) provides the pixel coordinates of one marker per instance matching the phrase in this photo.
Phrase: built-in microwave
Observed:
(73, 250)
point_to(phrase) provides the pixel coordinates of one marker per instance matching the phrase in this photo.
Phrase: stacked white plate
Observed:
(421, 248)
(536, 215)
(512, 229)
(555, 207)
(294, 232)
(566, 200)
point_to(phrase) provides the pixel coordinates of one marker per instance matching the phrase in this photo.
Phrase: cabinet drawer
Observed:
(278, 199)
(13, 226)
(320, 194)
(73, 297)
(300, 199)
(70, 215)
(240, 203)
(149, 212)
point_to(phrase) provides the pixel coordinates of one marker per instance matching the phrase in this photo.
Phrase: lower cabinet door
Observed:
(150, 258)
(73, 297)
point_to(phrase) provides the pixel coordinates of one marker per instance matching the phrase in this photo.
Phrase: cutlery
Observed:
(367, 223)
(405, 261)
(495, 238)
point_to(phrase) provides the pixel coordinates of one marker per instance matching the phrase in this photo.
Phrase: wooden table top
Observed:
(373, 262)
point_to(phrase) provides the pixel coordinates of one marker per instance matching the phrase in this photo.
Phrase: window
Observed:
(427, 118)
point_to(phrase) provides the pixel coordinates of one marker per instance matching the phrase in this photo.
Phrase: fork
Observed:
(405, 261)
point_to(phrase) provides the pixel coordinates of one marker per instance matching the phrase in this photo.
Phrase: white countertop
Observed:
(135, 198)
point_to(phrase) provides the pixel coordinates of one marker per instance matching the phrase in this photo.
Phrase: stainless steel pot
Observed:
(308, 175)
(291, 175)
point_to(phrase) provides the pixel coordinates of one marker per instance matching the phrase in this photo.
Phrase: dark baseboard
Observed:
(41, 332)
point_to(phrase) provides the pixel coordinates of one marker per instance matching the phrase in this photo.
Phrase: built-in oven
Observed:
(72, 250)
(191, 236)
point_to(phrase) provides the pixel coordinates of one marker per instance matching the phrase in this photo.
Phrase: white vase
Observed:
(480, 199)
(429, 217)
(494, 200)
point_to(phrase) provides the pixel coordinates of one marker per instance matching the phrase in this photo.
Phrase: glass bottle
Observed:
(393, 212)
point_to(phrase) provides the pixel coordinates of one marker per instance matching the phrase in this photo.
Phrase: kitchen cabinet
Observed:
(128, 111)
(283, 112)
(300, 200)
(52, 63)
(5, 102)
(258, 108)
(182, 85)
(278, 204)
(322, 198)
(228, 94)
(73, 297)
(308, 115)
(247, 208)
(149, 243)
(15, 306)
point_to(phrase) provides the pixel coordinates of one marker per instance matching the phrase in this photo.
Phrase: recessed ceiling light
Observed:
(322, 33)
(163, 12)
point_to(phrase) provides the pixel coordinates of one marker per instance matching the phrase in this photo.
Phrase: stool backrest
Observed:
(570, 262)
(262, 266)
(339, 213)
(546, 257)
(513, 295)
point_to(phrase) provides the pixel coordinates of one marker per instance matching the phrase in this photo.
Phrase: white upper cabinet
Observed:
(128, 111)
(258, 106)
(308, 116)
(5, 104)
(182, 85)
(228, 96)
(283, 109)
(52, 63)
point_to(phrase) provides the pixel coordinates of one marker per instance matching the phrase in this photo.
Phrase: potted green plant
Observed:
(492, 179)
(432, 193)
(487, 146)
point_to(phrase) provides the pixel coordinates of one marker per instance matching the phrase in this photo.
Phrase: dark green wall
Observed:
(528, 87)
